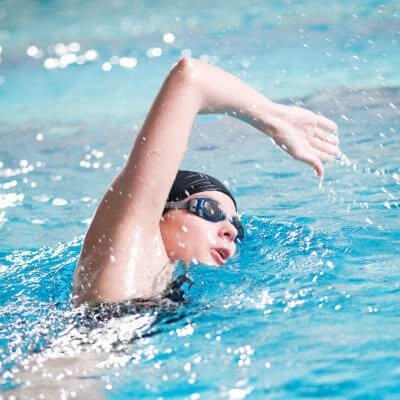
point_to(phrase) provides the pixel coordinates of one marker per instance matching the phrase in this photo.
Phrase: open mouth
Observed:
(221, 255)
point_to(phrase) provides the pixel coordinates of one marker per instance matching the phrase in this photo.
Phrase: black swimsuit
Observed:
(169, 301)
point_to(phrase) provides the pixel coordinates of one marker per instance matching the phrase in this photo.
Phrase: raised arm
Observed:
(123, 254)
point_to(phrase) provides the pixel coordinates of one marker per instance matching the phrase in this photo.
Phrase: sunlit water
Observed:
(309, 307)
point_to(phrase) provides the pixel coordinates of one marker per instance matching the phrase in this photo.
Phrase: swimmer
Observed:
(153, 216)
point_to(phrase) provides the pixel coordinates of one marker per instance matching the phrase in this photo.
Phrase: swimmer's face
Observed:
(189, 237)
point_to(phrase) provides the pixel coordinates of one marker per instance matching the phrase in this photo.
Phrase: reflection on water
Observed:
(309, 308)
(80, 360)
(92, 344)
(283, 317)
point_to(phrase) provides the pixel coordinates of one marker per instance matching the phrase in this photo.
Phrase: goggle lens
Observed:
(212, 210)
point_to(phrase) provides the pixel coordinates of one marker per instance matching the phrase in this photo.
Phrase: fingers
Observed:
(326, 123)
(324, 146)
(328, 137)
(315, 163)
(323, 156)
(314, 157)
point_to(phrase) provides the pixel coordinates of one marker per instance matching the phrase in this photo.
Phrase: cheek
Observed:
(203, 232)
(183, 230)
(196, 231)
(192, 233)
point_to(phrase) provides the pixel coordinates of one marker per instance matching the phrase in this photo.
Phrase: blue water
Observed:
(309, 308)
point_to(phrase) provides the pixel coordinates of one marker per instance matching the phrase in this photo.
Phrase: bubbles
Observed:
(128, 62)
(266, 185)
(168, 38)
(67, 59)
(97, 153)
(106, 67)
(91, 55)
(51, 63)
(60, 49)
(59, 202)
(74, 47)
(37, 221)
(10, 199)
(80, 60)
(66, 55)
(238, 394)
(90, 160)
(154, 52)
(70, 55)
(186, 53)
(114, 60)
(32, 51)
(8, 185)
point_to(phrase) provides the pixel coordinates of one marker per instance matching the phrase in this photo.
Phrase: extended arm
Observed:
(123, 250)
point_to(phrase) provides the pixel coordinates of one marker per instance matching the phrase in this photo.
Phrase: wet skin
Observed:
(189, 237)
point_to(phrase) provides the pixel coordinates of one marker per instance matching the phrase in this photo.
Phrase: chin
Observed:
(205, 261)
(212, 263)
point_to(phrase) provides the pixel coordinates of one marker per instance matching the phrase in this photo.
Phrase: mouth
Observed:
(220, 254)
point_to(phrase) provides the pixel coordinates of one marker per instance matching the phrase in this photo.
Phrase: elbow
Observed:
(186, 62)
(185, 75)
(186, 69)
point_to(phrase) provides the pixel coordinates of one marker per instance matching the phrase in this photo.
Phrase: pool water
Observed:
(309, 307)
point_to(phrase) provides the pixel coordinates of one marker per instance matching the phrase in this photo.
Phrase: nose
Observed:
(227, 230)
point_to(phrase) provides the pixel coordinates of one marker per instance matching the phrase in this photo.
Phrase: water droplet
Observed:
(186, 52)
(32, 51)
(154, 52)
(74, 47)
(59, 202)
(51, 63)
(67, 59)
(106, 66)
(60, 49)
(91, 55)
(128, 62)
(169, 37)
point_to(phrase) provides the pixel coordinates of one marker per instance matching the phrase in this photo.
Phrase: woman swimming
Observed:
(152, 216)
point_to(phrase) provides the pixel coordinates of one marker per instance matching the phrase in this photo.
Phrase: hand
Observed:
(305, 136)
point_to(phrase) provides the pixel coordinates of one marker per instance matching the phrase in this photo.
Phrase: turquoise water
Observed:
(309, 308)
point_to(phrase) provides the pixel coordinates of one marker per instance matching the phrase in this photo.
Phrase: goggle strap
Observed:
(175, 205)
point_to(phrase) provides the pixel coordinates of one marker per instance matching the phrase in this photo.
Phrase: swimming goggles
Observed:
(208, 209)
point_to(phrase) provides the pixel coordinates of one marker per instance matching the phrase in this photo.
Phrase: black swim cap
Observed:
(188, 182)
